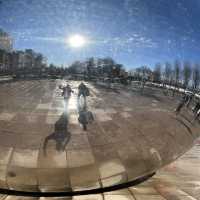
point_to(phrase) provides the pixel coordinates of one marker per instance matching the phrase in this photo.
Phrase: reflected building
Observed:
(17, 60)
(98, 124)
(3, 55)
(6, 42)
(6, 45)
(29, 58)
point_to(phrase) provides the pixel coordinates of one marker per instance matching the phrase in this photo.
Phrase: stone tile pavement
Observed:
(43, 147)
(179, 180)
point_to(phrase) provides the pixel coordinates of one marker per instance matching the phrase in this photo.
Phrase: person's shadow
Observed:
(61, 135)
(85, 116)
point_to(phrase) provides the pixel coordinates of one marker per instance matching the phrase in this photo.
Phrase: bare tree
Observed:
(177, 72)
(138, 73)
(187, 72)
(145, 75)
(196, 77)
(167, 77)
(90, 65)
(168, 73)
(157, 73)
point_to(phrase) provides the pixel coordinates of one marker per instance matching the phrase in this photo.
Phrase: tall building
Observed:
(3, 55)
(13, 60)
(17, 60)
(29, 59)
(6, 42)
(21, 56)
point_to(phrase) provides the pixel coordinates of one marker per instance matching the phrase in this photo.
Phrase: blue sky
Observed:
(133, 32)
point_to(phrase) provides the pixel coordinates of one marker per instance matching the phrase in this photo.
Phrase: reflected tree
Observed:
(177, 72)
(167, 77)
(146, 74)
(90, 66)
(196, 77)
(187, 72)
(168, 73)
(157, 73)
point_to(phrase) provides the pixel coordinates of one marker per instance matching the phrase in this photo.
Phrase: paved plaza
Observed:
(43, 147)
(177, 181)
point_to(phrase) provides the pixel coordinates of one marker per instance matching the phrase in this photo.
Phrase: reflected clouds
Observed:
(122, 29)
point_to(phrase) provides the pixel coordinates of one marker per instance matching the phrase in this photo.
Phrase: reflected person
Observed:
(196, 108)
(182, 102)
(83, 91)
(85, 117)
(66, 93)
(196, 111)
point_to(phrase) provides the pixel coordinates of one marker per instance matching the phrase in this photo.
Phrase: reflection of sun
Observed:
(76, 41)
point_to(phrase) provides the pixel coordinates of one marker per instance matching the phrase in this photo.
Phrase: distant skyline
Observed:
(132, 32)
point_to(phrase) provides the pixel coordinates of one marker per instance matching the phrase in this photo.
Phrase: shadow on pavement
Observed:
(61, 135)
(151, 94)
(185, 125)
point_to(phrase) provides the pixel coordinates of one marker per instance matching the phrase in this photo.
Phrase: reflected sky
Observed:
(133, 32)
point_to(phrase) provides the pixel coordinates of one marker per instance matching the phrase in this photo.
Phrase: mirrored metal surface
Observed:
(115, 135)
(83, 104)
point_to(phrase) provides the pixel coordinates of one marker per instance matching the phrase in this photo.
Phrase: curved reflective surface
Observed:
(118, 134)
(95, 94)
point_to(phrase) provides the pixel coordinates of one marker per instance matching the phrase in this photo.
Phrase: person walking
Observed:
(196, 111)
(85, 117)
(196, 108)
(182, 102)
(189, 100)
(67, 92)
(84, 92)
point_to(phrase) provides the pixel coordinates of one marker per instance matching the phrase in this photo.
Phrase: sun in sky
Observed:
(76, 41)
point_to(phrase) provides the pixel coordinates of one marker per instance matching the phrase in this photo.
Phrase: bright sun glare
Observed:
(76, 41)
